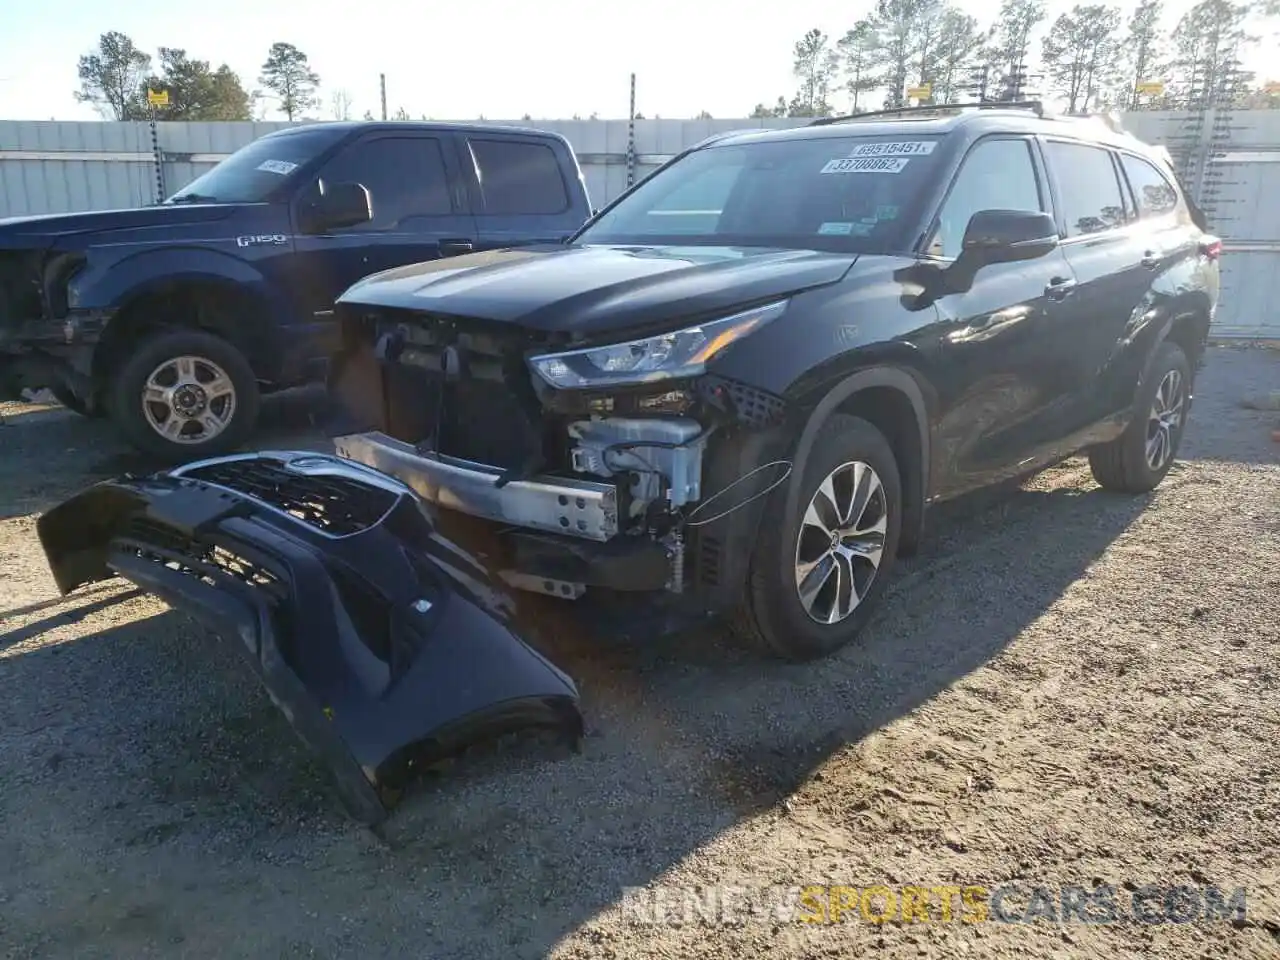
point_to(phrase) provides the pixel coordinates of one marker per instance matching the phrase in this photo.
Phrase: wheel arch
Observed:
(1188, 329)
(208, 303)
(893, 399)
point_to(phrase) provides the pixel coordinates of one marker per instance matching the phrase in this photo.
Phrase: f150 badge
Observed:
(263, 240)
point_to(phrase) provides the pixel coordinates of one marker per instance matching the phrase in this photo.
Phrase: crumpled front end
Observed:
(35, 317)
(386, 646)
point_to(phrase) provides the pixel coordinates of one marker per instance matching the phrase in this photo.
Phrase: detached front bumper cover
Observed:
(386, 646)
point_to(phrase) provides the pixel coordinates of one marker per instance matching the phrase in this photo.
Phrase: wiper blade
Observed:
(193, 198)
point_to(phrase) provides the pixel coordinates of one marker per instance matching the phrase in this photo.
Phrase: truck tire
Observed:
(1138, 459)
(804, 617)
(72, 402)
(182, 395)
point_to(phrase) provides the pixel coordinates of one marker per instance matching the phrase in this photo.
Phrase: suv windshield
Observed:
(254, 172)
(825, 193)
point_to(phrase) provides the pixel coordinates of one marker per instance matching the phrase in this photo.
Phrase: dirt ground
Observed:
(1065, 687)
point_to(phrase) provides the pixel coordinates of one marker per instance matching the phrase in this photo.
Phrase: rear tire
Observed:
(182, 395)
(1138, 459)
(799, 615)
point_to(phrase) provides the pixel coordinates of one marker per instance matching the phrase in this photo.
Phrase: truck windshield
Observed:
(851, 194)
(254, 172)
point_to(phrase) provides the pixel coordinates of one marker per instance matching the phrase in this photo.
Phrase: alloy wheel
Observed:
(1165, 421)
(841, 541)
(189, 400)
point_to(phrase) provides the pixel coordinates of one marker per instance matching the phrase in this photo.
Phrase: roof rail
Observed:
(1035, 106)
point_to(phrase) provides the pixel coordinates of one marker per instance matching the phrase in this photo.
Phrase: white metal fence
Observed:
(54, 167)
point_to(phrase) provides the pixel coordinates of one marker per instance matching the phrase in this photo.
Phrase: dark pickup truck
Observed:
(173, 319)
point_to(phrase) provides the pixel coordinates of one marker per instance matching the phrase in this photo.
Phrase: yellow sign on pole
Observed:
(922, 92)
(1152, 88)
(158, 98)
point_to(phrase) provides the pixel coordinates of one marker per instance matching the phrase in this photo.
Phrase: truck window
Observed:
(405, 176)
(996, 175)
(1090, 193)
(1156, 196)
(847, 194)
(519, 178)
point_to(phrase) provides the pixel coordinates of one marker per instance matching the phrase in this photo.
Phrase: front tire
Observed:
(184, 394)
(814, 582)
(1138, 459)
(73, 403)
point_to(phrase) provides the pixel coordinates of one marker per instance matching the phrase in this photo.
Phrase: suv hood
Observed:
(22, 230)
(585, 290)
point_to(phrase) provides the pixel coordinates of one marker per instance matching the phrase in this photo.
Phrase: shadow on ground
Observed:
(50, 452)
(515, 846)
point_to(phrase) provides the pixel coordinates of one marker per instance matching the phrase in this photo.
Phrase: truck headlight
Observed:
(667, 356)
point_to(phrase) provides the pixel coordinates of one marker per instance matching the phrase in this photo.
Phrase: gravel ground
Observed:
(1065, 687)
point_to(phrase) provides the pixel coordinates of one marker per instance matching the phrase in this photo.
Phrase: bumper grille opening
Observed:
(459, 385)
(163, 545)
(338, 506)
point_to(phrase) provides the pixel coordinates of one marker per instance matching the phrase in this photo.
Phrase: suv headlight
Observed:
(667, 356)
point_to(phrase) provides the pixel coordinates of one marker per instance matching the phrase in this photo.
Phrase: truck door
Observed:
(518, 189)
(420, 213)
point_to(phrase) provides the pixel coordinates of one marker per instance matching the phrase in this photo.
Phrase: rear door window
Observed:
(519, 178)
(1088, 190)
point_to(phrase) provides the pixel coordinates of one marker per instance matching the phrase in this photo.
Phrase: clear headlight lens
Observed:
(675, 355)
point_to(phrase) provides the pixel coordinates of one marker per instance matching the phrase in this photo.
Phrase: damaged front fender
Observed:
(385, 645)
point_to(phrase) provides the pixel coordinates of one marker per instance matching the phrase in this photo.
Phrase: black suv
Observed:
(736, 390)
(743, 382)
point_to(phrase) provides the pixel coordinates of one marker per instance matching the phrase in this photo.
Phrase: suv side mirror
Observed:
(341, 205)
(1008, 236)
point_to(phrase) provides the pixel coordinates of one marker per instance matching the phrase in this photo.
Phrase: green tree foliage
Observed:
(112, 76)
(815, 64)
(197, 92)
(288, 75)
(1011, 37)
(1206, 43)
(1081, 54)
(859, 52)
(1144, 46)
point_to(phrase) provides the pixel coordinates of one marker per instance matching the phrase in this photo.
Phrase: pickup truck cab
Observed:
(173, 319)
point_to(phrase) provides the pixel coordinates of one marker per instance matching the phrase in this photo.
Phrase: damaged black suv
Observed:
(741, 384)
(735, 391)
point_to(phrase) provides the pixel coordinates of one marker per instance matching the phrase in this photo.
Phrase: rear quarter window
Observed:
(1156, 196)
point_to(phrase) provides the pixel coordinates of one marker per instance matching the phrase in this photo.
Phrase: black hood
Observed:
(585, 290)
(52, 226)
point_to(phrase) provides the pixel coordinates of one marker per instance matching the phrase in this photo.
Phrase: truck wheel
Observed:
(71, 401)
(1138, 459)
(184, 394)
(814, 583)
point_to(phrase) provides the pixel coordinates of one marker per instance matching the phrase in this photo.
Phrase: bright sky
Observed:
(453, 61)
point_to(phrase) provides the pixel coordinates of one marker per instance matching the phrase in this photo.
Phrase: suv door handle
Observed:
(1059, 287)
(1150, 259)
(451, 248)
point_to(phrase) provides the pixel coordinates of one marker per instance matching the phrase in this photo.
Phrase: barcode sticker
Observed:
(904, 148)
(866, 165)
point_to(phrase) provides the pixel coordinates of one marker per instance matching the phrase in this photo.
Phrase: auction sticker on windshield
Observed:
(907, 148)
(277, 166)
(866, 165)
